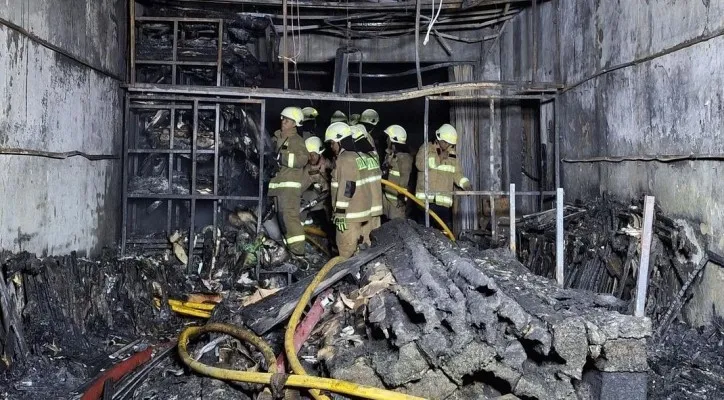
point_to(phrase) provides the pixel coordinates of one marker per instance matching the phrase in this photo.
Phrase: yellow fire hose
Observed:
(266, 378)
(420, 203)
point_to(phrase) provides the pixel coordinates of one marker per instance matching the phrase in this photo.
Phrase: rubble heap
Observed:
(602, 251)
(458, 323)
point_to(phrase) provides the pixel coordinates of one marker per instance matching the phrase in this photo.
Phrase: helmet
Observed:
(397, 134)
(314, 145)
(310, 113)
(338, 116)
(293, 113)
(369, 116)
(337, 131)
(353, 119)
(358, 132)
(447, 133)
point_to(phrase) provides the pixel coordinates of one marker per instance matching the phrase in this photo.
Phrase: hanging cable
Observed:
(432, 22)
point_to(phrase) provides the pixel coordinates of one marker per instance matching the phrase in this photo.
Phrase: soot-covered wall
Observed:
(642, 77)
(50, 102)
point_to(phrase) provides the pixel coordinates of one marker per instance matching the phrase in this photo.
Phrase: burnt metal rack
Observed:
(183, 205)
(173, 60)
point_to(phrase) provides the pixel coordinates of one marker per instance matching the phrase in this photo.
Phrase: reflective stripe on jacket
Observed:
(349, 194)
(292, 157)
(444, 173)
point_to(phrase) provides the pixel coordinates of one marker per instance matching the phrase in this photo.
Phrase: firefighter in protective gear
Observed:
(396, 168)
(338, 116)
(315, 184)
(353, 119)
(286, 186)
(371, 178)
(310, 122)
(369, 117)
(444, 172)
(350, 200)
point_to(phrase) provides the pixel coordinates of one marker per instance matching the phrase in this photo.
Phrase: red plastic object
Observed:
(305, 328)
(118, 371)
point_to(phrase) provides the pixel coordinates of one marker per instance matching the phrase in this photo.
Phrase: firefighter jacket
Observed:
(399, 168)
(350, 198)
(292, 156)
(372, 177)
(444, 172)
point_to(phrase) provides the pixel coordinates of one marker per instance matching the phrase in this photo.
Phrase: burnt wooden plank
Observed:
(270, 311)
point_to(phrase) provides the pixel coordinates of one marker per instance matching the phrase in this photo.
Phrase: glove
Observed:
(317, 187)
(340, 223)
(467, 186)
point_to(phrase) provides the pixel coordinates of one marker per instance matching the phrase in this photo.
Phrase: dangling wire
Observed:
(432, 21)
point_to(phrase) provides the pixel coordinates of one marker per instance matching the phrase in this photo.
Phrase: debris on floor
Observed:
(603, 251)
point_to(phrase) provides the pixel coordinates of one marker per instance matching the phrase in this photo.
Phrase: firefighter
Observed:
(371, 177)
(338, 116)
(310, 122)
(350, 200)
(396, 169)
(315, 183)
(369, 118)
(444, 172)
(286, 186)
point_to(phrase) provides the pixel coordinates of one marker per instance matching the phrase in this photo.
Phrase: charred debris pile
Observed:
(603, 252)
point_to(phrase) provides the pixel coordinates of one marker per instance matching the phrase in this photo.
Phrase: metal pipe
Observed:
(656, 157)
(491, 158)
(353, 5)
(642, 280)
(559, 237)
(534, 35)
(260, 144)
(57, 155)
(417, 46)
(379, 97)
(285, 59)
(132, 40)
(511, 223)
(425, 146)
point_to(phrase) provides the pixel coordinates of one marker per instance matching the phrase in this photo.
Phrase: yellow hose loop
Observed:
(296, 381)
(420, 203)
(289, 349)
(313, 230)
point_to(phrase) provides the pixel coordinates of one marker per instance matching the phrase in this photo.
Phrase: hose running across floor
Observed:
(278, 380)
(420, 203)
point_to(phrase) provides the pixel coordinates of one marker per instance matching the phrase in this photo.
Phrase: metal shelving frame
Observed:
(174, 62)
(173, 103)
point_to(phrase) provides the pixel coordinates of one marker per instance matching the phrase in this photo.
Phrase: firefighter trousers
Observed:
(393, 209)
(290, 222)
(348, 240)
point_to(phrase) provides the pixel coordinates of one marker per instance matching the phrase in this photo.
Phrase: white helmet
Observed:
(397, 134)
(337, 131)
(310, 113)
(369, 116)
(295, 114)
(358, 131)
(314, 145)
(338, 116)
(447, 133)
(354, 119)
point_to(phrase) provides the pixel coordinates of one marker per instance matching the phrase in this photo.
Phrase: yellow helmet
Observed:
(337, 131)
(353, 119)
(310, 113)
(314, 145)
(358, 132)
(338, 116)
(294, 113)
(447, 133)
(397, 134)
(369, 116)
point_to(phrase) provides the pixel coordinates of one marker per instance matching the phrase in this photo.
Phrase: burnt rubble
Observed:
(468, 324)
(602, 251)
